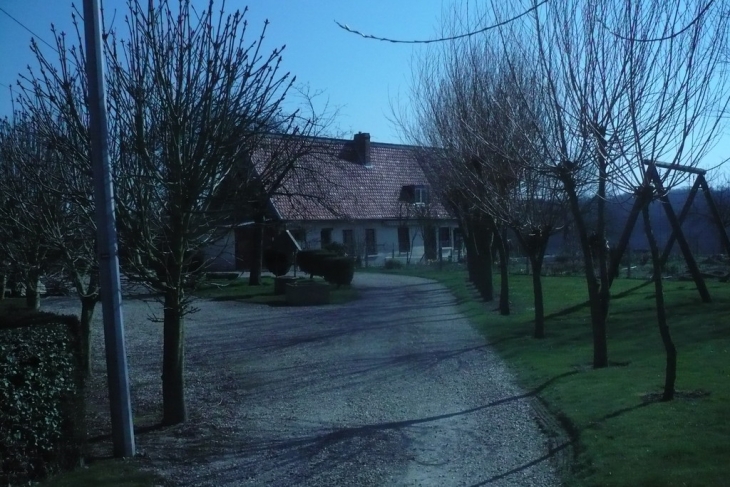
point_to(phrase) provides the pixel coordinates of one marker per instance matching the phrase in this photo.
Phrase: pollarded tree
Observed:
(27, 211)
(466, 105)
(54, 95)
(286, 153)
(194, 98)
(625, 83)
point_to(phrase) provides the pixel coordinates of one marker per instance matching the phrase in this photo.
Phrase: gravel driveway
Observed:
(394, 389)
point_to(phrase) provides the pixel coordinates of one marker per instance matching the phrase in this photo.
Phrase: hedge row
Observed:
(42, 414)
(335, 268)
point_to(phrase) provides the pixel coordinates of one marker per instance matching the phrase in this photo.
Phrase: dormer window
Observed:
(416, 194)
(421, 195)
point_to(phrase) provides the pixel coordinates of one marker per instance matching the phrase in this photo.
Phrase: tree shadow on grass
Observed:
(586, 304)
(625, 293)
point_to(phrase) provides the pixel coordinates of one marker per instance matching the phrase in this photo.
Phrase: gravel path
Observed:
(394, 389)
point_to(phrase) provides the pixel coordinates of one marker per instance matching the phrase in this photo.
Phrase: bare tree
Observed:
(27, 211)
(465, 104)
(54, 94)
(194, 99)
(625, 83)
(290, 148)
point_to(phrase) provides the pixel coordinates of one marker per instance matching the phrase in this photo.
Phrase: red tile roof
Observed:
(332, 183)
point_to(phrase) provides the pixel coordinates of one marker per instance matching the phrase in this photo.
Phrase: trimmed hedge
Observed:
(339, 270)
(335, 269)
(42, 413)
(309, 261)
(278, 263)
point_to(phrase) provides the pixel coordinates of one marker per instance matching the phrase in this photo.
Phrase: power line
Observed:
(26, 28)
(441, 39)
(666, 37)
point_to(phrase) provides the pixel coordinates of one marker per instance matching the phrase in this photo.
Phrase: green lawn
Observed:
(239, 290)
(622, 435)
(106, 473)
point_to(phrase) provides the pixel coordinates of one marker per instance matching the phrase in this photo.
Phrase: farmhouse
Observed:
(371, 197)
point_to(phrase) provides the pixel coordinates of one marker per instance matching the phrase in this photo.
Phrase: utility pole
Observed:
(111, 295)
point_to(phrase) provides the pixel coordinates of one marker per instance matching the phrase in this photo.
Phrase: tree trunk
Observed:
(503, 252)
(604, 287)
(670, 374)
(483, 244)
(472, 260)
(3, 286)
(535, 245)
(32, 296)
(597, 308)
(88, 305)
(257, 250)
(536, 263)
(173, 361)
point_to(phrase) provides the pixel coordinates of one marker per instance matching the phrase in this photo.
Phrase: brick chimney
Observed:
(362, 147)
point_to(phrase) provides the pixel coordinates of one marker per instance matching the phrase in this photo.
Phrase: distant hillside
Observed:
(701, 233)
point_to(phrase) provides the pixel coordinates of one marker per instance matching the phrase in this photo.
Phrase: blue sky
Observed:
(357, 77)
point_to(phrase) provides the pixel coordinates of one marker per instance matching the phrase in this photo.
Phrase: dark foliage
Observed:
(310, 261)
(42, 425)
(336, 248)
(338, 270)
(278, 263)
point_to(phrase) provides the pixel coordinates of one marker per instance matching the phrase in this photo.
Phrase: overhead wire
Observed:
(441, 39)
(27, 28)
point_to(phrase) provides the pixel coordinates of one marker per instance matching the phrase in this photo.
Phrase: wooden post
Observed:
(681, 240)
(715, 214)
(685, 211)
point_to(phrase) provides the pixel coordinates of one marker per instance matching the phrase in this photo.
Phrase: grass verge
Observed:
(239, 290)
(106, 473)
(622, 435)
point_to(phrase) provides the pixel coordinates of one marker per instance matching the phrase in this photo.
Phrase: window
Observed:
(348, 240)
(325, 237)
(371, 246)
(421, 195)
(415, 194)
(404, 240)
(444, 237)
(458, 239)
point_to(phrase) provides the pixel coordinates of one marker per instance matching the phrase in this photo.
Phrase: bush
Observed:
(278, 263)
(310, 261)
(41, 397)
(336, 248)
(393, 264)
(339, 270)
(335, 269)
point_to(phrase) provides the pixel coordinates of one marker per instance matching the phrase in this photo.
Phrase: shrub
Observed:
(41, 397)
(338, 270)
(310, 261)
(278, 263)
(392, 264)
(336, 248)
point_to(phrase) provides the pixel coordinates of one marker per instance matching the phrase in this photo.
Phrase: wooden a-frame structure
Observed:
(652, 175)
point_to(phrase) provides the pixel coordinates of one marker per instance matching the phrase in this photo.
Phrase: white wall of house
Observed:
(222, 254)
(388, 244)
